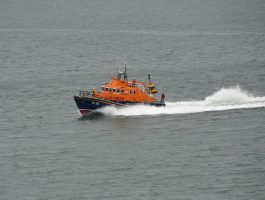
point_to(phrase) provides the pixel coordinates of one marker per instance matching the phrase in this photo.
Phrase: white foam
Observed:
(224, 99)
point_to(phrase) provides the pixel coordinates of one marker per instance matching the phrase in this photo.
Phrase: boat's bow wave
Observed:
(224, 99)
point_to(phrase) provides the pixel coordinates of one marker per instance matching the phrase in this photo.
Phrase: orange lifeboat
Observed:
(118, 92)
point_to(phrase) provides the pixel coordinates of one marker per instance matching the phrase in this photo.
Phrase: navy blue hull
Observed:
(86, 105)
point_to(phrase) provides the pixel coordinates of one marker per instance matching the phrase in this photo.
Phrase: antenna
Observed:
(125, 73)
(149, 77)
(118, 73)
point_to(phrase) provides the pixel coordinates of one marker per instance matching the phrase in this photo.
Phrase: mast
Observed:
(125, 73)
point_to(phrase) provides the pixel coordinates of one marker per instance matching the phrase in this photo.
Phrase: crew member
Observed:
(162, 98)
(93, 92)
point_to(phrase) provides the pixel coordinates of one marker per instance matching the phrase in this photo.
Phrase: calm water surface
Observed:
(203, 145)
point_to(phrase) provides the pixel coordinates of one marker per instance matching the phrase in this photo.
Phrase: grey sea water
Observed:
(207, 56)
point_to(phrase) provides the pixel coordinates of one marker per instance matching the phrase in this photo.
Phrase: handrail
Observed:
(84, 93)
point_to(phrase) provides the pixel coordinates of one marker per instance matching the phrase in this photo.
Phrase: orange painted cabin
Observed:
(125, 91)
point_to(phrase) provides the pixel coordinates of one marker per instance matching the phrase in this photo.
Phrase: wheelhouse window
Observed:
(134, 92)
(114, 90)
(122, 91)
(118, 90)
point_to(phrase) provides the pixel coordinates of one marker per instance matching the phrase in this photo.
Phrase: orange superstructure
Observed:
(125, 91)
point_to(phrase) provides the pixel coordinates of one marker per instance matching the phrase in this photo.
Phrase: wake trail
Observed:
(224, 99)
